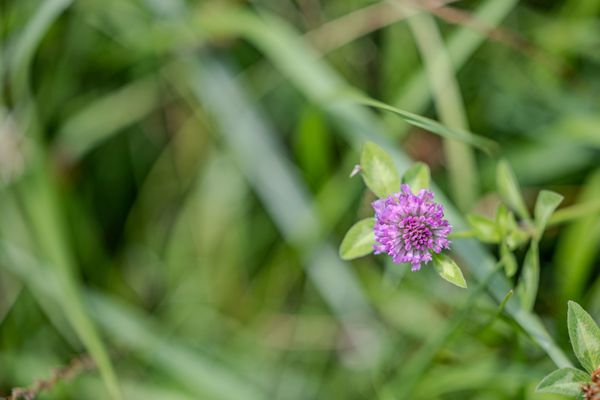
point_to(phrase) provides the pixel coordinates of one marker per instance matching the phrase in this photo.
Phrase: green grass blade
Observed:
(25, 47)
(106, 116)
(457, 134)
(41, 203)
(462, 168)
(201, 375)
(259, 156)
(578, 245)
(461, 46)
(131, 328)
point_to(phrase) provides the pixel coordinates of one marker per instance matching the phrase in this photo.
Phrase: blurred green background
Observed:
(174, 186)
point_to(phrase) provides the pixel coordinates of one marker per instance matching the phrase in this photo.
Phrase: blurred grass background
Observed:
(174, 185)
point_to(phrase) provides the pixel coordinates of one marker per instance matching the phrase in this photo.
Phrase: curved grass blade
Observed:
(28, 42)
(449, 104)
(486, 145)
(132, 328)
(579, 243)
(462, 43)
(106, 116)
(328, 88)
(42, 207)
(39, 197)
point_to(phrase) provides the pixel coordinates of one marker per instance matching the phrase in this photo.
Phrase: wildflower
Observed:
(409, 227)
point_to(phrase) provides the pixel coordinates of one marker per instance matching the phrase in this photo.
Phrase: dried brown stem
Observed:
(498, 34)
(76, 367)
(338, 32)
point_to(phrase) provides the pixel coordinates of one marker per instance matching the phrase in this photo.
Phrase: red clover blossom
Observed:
(409, 227)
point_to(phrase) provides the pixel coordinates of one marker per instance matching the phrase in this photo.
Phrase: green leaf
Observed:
(359, 240)
(378, 170)
(449, 270)
(417, 177)
(505, 220)
(516, 238)
(508, 260)
(508, 187)
(585, 336)
(485, 229)
(509, 230)
(530, 277)
(546, 203)
(565, 381)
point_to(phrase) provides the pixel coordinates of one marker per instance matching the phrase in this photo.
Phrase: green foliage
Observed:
(530, 277)
(508, 260)
(585, 337)
(381, 177)
(378, 170)
(485, 229)
(174, 182)
(565, 381)
(359, 240)
(577, 247)
(545, 205)
(511, 233)
(419, 121)
(508, 187)
(449, 270)
(585, 340)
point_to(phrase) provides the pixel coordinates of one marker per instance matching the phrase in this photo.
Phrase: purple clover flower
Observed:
(409, 227)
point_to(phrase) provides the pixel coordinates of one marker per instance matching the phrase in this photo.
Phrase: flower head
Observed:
(409, 227)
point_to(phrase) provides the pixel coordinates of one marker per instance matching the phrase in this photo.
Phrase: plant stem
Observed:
(574, 212)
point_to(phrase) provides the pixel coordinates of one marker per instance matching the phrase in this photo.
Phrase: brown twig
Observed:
(343, 30)
(498, 34)
(76, 367)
